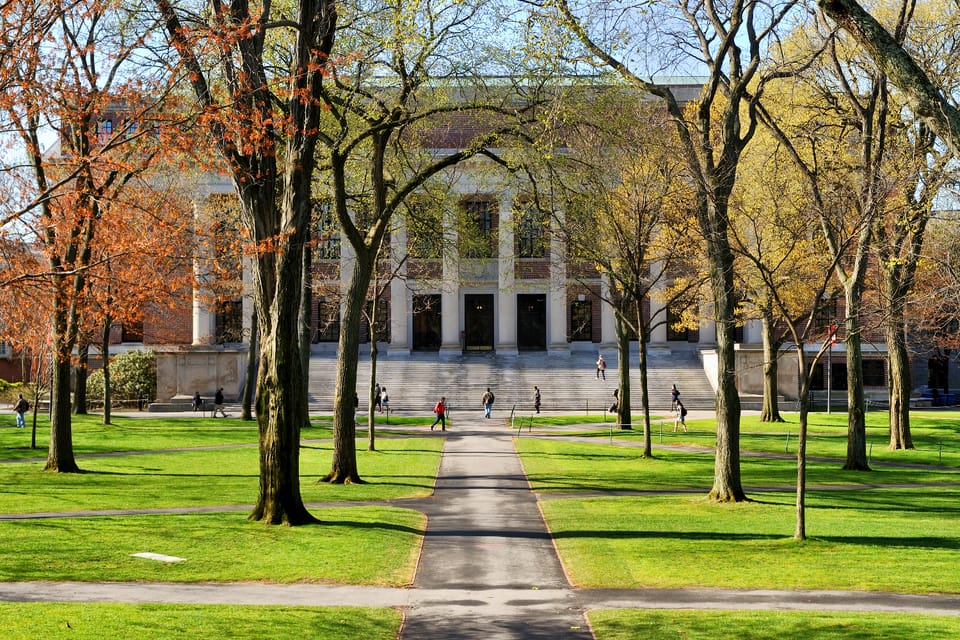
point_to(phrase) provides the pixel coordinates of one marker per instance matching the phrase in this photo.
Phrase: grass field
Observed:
(630, 624)
(159, 622)
(619, 520)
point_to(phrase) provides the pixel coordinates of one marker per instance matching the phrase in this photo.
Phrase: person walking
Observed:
(377, 404)
(601, 368)
(681, 419)
(536, 398)
(487, 401)
(384, 401)
(440, 409)
(674, 397)
(197, 401)
(218, 403)
(21, 408)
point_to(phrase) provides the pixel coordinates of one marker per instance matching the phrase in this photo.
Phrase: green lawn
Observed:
(936, 436)
(902, 542)
(878, 530)
(192, 462)
(357, 545)
(555, 465)
(400, 468)
(159, 622)
(629, 624)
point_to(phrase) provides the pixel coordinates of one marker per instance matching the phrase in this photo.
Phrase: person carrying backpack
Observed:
(487, 401)
(21, 408)
(440, 409)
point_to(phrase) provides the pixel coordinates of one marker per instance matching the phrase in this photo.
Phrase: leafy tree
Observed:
(625, 210)
(776, 232)
(929, 102)
(854, 179)
(76, 64)
(257, 72)
(384, 136)
(730, 39)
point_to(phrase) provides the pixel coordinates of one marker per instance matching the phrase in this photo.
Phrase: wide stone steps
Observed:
(567, 382)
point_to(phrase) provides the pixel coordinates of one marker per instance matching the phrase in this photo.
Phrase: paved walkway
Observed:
(488, 568)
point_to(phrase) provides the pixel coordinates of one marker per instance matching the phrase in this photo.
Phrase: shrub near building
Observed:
(133, 375)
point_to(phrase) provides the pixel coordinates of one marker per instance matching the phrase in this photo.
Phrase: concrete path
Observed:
(488, 568)
(486, 539)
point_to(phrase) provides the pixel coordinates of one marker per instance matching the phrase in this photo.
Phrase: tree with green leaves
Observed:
(623, 207)
(402, 114)
(729, 39)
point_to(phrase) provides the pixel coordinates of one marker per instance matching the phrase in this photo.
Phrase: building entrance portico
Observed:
(427, 322)
(532, 322)
(478, 322)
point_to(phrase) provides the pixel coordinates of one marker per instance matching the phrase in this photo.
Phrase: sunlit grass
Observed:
(629, 624)
(90, 621)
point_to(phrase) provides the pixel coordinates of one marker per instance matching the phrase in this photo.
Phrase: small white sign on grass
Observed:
(159, 557)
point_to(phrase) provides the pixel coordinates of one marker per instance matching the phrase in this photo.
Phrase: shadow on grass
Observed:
(378, 526)
(915, 542)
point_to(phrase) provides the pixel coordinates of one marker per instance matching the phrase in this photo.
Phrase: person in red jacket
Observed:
(441, 410)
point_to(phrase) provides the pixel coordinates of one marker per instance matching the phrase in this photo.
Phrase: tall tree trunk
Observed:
(306, 322)
(60, 454)
(800, 530)
(624, 411)
(856, 415)
(771, 364)
(80, 379)
(105, 358)
(899, 380)
(281, 391)
(374, 352)
(344, 467)
(250, 379)
(642, 339)
(727, 485)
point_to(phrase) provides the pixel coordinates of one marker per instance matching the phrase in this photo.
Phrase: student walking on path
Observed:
(536, 399)
(21, 408)
(487, 401)
(440, 409)
(218, 403)
(681, 419)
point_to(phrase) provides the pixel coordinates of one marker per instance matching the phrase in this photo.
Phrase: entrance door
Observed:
(426, 323)
(532, 322)
(478, 322)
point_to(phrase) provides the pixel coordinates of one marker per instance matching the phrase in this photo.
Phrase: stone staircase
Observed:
(567, 382)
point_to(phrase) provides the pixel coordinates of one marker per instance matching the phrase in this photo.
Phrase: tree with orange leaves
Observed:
(264, 126)
(80, 73)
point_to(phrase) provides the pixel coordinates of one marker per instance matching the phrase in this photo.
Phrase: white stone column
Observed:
(608, 326)
(400, 305)
(451, 343)
(506, 308)
(204, 319)
(658, 310)
(557, 297)
(708, 328)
